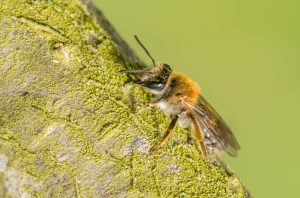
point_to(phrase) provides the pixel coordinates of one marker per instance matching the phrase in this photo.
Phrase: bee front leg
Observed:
(151, 104)
(166, 135)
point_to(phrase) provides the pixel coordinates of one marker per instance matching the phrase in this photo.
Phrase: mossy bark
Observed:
(68, 122)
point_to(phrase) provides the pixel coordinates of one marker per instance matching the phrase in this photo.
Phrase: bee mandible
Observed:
(179, 97)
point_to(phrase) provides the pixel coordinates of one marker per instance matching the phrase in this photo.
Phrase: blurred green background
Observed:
(246, 57)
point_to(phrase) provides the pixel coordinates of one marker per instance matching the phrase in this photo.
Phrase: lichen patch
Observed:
(3, 163)
(54, 128)
(139, 143)
(17, 184)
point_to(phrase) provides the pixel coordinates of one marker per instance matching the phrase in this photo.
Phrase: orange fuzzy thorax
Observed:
(183, 87)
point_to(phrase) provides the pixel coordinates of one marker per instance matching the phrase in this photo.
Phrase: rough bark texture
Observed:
(68, 126)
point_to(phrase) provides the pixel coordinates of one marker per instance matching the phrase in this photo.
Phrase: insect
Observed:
(179, 97)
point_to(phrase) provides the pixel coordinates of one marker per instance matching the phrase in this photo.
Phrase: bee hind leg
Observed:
(166, 135)
(199, 137)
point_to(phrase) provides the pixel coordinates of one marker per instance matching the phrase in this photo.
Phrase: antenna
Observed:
(145, 49)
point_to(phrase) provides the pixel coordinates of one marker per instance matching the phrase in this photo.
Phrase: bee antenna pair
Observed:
(145, 49)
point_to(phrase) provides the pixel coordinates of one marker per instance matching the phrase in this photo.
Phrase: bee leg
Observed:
(144, 108)
(166, 135)
(151, 104)
(198, 135)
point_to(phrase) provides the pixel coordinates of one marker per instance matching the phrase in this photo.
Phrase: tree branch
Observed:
(68, 122)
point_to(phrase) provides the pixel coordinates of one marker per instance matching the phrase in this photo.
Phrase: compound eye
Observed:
(167, 67)
(156, 85)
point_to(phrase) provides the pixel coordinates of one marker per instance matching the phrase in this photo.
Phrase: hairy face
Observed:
(155, 78)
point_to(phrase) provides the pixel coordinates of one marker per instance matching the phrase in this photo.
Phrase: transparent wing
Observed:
(214, 127)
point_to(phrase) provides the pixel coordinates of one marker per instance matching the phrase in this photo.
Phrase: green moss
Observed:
(69, 124)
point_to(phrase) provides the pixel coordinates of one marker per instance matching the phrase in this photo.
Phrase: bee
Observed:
(179, 97)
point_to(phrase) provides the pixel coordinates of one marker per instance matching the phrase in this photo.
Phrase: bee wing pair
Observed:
(213, 126)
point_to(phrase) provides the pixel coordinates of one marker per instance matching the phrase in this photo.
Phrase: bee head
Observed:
(154, 78)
